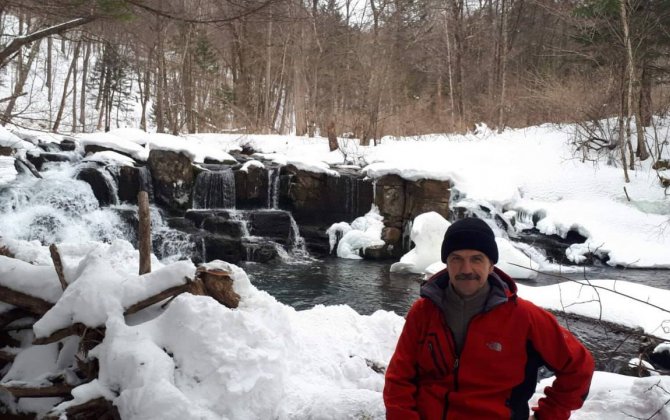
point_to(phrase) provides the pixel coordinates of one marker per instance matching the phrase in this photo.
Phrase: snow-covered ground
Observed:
(198, 359)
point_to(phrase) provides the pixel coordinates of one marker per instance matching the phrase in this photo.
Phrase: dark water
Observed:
(368, 286)
(364, 285)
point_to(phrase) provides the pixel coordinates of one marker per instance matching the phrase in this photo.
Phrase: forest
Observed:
(356, 68)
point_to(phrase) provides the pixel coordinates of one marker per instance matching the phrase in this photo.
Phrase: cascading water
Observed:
(60, 209)
(298, 248)
(146, 183)
(214, 190)
(56, 208)
(273, 188)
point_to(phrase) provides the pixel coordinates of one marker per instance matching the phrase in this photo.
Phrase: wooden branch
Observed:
(165, 294)
(12, 315)
(98, 408)
(9, 98)
(6, 357)
(31, 304)
(58, 265)
(144, 232)
(75, 329)
(7, 340)
(18, 42)
(57, 390)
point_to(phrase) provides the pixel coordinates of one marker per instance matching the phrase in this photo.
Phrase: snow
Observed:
(8, 139)
(427, 234)
(196, 359)
(7, 170)
(109, 157)
(252, 163)
(364, 232)
(609, 300)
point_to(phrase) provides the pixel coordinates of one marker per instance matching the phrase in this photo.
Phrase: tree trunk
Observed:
(160, 88)
(74, 89)
(503, 65)
(70, 71)
(332, 136)
(144, 82)
(267, 115)
(630, 66)
(458, 56)
(23, 70)
(49, 71)
(84, 77)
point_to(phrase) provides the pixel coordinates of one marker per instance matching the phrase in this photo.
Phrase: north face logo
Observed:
(494, 345)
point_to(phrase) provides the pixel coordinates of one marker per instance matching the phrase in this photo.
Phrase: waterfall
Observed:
(273, 188)
(298, 249)
(214, 190)
(241, 217)
(55, 209)
(146, 183)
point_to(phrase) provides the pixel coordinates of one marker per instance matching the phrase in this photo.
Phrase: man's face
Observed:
(468, 270)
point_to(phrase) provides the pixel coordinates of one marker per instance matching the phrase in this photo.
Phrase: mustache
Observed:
(467, 276)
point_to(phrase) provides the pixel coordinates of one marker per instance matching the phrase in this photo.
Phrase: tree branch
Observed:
(19, 42)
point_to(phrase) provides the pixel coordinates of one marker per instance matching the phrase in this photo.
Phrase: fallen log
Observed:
(6, 357)
(96, 409)
(57, 390)
(165, 294)
(7, 340)
(24, 301)
(219, 285)
(74, 329)
(80, 329)
(12, 315)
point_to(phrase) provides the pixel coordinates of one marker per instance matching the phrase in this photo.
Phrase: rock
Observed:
(128, 182)
(100, 184)
(660, 358)
(390, 199)
(6, 151)
(377, 252)
(219, 247)
(427, 195)
(272, 224)
(391, 235)
(553, 245)
(173, 179)
(68, 145)
(316, 240)
(261, 251)
(223, 226)
(90, 149)
(40, 159)
(251, 188)
(320, 199)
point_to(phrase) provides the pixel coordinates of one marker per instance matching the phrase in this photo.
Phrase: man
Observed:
(471, 348)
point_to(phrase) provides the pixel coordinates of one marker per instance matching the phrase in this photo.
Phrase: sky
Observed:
(196, 359)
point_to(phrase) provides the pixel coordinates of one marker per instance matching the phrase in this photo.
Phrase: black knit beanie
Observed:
(470, 233)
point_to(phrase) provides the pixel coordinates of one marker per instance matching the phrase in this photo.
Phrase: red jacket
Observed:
(496, 373)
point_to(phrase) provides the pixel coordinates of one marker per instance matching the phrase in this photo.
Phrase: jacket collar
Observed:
(503, 288)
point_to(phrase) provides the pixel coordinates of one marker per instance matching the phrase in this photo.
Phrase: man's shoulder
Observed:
(531, 310)
(424, 304)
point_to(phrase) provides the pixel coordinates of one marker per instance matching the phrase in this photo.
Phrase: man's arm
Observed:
(400, 381)
(571, 362)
